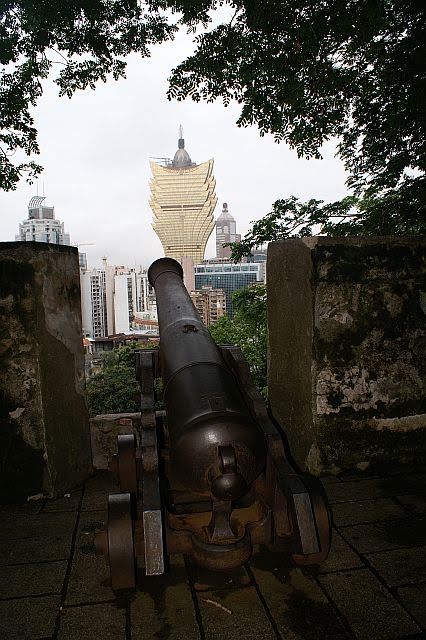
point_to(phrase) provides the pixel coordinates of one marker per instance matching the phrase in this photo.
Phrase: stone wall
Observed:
(44, 424)
(347, 360)
(104, 430)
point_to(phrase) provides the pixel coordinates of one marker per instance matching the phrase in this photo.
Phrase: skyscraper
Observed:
(228, 277)
(112, 297)
(182, 201)
(41, 225)
(225, 232)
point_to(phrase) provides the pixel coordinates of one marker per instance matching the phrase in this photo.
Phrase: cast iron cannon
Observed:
(210, 477)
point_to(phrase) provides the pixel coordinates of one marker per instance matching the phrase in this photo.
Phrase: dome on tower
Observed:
(225, 215)
(181, 158)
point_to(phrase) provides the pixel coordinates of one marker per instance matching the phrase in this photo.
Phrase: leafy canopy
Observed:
(248, 330)
(302, 70)
(308, 70)
(396, 212)
(115, 389)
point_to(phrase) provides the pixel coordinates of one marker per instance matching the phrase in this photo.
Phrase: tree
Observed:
(248, 330)
(88, 40)
(309, 70)
(115, 388)
(396, 212)
(303, 70)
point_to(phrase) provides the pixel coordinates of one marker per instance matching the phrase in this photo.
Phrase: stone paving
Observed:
(372, 586)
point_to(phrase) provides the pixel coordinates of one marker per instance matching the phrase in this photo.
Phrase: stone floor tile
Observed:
(234, 614)
(163, 607)
(69, 502)
(89, 523)
(89, 578)
(28, 618)
(95, 501)
(102, 481)
(412, 483)
(36, 549)
(393, 534)
(369, 608)
(414, 504)
(205, 580)
(40, 526)
(364, 489)
(104, 621)
(341, 556)
(89, 581)
(298, 606)
(326, 480)
(27, 508)
(401, 566)
(32, 579)
(365, 511)
(414, 599)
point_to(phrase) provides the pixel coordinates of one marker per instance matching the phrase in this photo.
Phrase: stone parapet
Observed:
(44, 423)
(104, 430)
(346, 323)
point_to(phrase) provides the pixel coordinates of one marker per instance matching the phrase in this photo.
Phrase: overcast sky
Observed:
(96, 147)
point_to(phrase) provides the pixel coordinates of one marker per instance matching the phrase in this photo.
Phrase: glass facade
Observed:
(229, 277)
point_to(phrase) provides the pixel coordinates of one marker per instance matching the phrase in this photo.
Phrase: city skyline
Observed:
(96, 150)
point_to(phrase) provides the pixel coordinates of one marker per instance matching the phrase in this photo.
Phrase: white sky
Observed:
(95, 149)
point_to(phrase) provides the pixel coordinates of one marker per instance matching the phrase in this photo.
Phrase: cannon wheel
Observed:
(121, 541)
(126, 462)
(322, 523)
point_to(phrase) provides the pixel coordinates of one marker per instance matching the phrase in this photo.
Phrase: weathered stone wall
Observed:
(44, 424)
(347, 357)
(104, 430)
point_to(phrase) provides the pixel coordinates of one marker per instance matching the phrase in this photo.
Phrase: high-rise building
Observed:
(93, 303)
(41, 225)
(210, 304)
(225, 232)
(227, 276)
(112, 297)
(182, 201)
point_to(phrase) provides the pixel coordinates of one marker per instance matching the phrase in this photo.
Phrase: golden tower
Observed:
(182, 201)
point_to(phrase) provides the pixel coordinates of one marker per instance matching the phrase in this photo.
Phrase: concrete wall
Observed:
(44, 424)
(347, 360)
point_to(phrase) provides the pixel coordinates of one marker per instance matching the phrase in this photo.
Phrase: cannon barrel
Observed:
(215, 445)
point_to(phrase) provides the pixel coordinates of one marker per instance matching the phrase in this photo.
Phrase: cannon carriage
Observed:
(209, 477)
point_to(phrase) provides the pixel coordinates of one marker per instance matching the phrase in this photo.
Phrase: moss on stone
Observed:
(346, 448)
(14, 276)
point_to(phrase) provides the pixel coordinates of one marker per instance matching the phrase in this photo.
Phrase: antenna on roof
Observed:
(180, 131)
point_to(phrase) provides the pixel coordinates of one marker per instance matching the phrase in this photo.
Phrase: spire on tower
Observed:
(181, 141)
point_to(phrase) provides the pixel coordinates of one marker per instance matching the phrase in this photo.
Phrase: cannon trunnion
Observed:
(209, 477)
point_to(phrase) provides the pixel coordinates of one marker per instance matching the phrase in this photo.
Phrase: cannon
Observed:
(209, 476)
